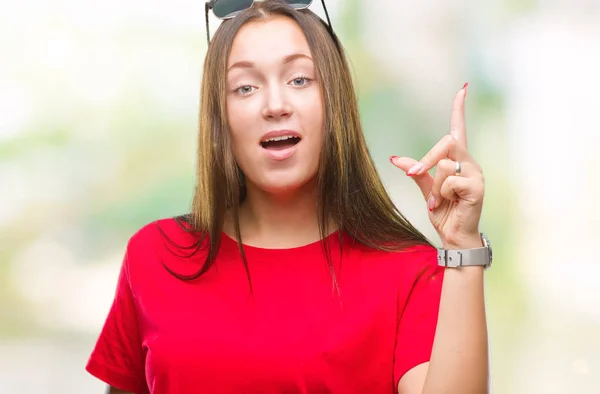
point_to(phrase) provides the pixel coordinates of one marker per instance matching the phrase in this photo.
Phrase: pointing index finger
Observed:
(458, 128)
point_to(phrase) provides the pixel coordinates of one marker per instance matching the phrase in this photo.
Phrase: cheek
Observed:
(241, 137)
(241, 145)
(235, 121)
(315, 116)
(309, 106)
(316, 106)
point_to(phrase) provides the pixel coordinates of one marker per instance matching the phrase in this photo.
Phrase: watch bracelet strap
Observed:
(463, 258)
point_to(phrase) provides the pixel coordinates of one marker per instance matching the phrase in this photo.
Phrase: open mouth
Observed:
(280, 143)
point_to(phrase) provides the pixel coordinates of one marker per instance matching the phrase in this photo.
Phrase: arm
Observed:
(459, 359)
(118, 358)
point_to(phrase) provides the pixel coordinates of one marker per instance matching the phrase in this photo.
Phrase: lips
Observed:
(280, 144)
(279, 134)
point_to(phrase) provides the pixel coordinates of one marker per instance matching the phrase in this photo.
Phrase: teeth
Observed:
(280, 138)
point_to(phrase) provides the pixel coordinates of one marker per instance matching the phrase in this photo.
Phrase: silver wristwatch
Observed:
(467, 257)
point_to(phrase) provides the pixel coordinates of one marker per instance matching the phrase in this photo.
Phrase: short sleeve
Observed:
(418, 310)
(118, 358)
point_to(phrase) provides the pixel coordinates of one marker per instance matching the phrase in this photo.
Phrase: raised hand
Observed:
(455, 193)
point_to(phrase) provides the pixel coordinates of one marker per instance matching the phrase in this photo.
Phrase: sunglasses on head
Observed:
(227, 9)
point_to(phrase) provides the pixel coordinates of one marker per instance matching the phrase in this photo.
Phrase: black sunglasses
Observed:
(227, 9)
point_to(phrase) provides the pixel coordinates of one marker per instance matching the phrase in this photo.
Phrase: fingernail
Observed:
(431, 203)
(393, 159)
(415, 169)
(466, 85)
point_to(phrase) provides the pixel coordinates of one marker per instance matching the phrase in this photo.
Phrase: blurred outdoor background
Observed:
(98, 118)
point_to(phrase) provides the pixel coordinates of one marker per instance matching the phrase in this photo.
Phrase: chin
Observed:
(284, 183)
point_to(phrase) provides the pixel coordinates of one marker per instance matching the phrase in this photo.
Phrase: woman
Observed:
(294, 272)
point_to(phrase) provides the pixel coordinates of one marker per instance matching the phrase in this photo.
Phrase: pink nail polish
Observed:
(431, 203)
(466, 85)
(415, 169)
(392, 158)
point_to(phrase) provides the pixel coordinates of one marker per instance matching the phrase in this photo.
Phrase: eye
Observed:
(244, 89)
(300, 81)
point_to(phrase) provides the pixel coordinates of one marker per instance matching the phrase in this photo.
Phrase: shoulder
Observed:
(411, 255)
(163, 241)
(173, 230)
(419, 257)
(408, 263)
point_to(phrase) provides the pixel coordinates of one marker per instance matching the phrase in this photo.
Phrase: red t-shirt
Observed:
(295, 334)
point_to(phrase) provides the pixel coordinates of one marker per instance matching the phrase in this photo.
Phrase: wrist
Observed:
(471, 251)
(467, 242)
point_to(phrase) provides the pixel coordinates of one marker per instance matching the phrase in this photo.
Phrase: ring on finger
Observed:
(458, 169)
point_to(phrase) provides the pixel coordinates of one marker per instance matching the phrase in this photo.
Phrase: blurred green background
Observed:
(98, 118)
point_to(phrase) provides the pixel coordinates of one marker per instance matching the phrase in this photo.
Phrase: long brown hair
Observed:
(349, 189)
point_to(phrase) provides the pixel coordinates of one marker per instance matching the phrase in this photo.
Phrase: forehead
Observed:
(275, 37)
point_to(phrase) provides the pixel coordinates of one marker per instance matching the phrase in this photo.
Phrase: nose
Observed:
(276, 105)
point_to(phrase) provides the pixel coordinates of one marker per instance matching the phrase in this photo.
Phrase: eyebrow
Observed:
(286, 59)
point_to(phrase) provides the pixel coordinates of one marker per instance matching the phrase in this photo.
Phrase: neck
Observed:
(278, 220)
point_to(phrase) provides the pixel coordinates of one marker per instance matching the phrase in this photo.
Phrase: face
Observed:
(274, 106)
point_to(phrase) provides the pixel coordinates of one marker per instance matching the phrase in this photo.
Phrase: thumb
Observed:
(424, 181)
